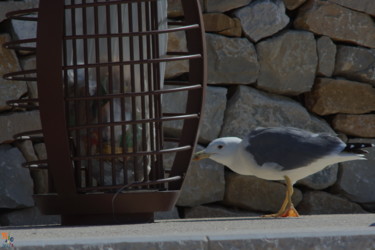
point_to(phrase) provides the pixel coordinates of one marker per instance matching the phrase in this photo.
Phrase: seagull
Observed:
(282, 153)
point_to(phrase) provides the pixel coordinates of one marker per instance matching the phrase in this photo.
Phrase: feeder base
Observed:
(106, 219)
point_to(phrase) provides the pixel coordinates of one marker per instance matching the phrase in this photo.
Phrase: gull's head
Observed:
(220, 150)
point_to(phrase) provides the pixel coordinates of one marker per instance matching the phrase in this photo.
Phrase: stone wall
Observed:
(302, 63)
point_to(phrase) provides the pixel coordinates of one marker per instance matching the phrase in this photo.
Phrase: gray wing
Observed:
(290, 148)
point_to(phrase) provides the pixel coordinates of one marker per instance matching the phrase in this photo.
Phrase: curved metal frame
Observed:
(75, 205)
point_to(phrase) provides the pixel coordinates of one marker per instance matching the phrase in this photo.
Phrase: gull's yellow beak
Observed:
(200, 155)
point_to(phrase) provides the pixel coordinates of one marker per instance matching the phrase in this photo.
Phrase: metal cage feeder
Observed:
(100, 76)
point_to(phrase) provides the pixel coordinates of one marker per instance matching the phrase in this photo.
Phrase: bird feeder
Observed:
(100, 76)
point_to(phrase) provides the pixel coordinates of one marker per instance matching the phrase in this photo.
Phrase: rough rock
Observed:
(167, 215)
(355, 125)
(249, 108)
(9, 90)
(318, 202)
(40, 150)
(261, 19)
(215, 211)
(176, 43)
(249, 192)
(222, 24)
(367, 6)
(18, 122)
(27, 217)
(224, 5)
(232, 60)
(355, 63)
(326, 56)
(331, 96)
(321, 180)
(27, 149)
(8, 6)
(337, 22)
(16, 185)
(29, 62)
(40, 177)
(213, 112)
(287, 63)
(204, 183)
(24, 30)
(356, 178)
(293, 4)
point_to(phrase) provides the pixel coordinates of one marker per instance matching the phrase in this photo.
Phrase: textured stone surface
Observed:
(16, 185)
(331, 96)
(249, 108)
(355, 125)
(356, 178)
(27, 149)
(167, 215)
(29, 62)
(213, 112)
(249, 192)
(367, 6)
(231, 60)
(27, 217)
(318, 202)
(224, 5)
(326, 56)
(321, 180)
(9, 90)
(24, 30)
(337, 22)
(215, 211)
(8, 6)
(222, 24)
(261, 19)
(204, 183)
(356, 63)
(18, 122)
(287, 63)
(293, 4)
(176, 43)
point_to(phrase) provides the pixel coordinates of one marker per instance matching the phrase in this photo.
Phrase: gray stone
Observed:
(222, 24)
(318, 202)
(337, 22)
(287, 63)
(213, 112)
(16, 185)
(28, 217)
(249, 192)
(355, 125)
(224, 5)
(8, 6)
(326, 56)
(176, 43)
(204, 183)
(9, 90)
(40, 150)
(24, 30)
(261, 19)
(356, 178)
(27, 63)
(293, 4)
(322, 179)
(249, 108)
(18, 122)
(215, 211)
(231, 60)
(27, 149)
(367, 6)
(332, 96)
(355, 63)
(167, 215)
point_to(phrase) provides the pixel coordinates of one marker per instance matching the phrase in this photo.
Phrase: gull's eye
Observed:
(220, 146)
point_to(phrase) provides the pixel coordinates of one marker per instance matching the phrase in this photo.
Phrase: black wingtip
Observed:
(358, 147)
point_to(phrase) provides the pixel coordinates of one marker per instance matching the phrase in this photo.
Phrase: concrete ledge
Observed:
(307, 232)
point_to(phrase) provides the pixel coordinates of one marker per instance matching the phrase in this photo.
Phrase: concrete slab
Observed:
(306, 232)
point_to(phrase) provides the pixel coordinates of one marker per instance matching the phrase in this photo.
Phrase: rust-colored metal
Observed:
(100, 90)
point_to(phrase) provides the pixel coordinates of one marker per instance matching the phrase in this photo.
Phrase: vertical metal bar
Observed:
(89, 140)
(142, 83)
(110, 89)
(98, 87)
(50, 86)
